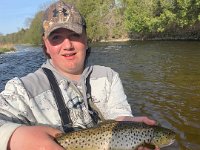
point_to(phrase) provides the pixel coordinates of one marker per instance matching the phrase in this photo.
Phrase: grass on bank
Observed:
(6, 48)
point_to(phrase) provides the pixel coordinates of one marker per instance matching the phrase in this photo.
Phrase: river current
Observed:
(161, 80)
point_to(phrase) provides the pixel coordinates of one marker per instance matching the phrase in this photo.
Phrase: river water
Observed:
(161, 80)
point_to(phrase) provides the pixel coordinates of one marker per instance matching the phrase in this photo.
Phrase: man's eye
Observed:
(75, 35)
(55, 37)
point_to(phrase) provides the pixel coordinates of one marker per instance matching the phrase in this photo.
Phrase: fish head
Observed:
(163, 137)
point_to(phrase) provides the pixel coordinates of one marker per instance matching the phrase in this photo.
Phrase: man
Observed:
(64, 94)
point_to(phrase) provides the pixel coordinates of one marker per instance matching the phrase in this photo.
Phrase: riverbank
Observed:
(165, 36)
(6, 48)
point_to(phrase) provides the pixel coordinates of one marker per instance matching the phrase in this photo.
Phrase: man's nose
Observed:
(67, 44)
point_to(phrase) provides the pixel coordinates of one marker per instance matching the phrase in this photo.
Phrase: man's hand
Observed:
(138, 119)
(34, 138)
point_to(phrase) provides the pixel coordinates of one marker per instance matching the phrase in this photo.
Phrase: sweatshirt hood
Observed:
(82, 82)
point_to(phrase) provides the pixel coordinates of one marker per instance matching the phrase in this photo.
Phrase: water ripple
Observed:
(161, 80)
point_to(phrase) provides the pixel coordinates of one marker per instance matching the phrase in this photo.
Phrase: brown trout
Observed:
(112, 135)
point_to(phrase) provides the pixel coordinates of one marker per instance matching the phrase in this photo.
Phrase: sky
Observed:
(15, 13)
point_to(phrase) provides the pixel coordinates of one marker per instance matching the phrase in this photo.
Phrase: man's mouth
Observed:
(71, 54)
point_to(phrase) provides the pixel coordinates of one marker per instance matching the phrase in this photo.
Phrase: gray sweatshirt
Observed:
(29, 100)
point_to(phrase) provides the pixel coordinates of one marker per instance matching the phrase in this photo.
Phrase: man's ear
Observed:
(45, 48)
(88, 44)
(87, 47)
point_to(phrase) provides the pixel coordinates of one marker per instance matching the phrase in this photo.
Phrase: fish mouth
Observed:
(171, 142)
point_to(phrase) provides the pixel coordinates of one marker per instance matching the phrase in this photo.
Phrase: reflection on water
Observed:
(161, 80)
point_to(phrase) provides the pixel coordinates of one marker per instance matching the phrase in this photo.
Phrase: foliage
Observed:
(96, 12)
(111, 19)
(34, 34)
(31, 35)
(6, 48)
(147, 16)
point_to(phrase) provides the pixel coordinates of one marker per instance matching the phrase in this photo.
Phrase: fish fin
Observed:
(106, 121)
(59, 135)
(146, 145)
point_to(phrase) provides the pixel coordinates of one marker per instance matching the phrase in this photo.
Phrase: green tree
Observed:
(34, 34)
(139, 15)
(106, 20)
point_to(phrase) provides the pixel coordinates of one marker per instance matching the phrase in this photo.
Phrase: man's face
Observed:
(67, 50)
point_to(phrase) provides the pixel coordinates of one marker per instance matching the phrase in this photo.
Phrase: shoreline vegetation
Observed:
(7, 47)
(124, 20)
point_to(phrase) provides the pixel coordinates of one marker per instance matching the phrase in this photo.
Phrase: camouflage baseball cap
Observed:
(62, 15)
